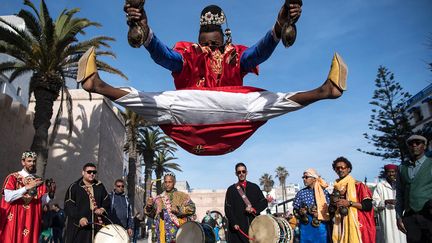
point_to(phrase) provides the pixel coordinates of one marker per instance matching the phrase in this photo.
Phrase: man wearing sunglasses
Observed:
(356, 223)
(311, 206)
(121, 209)
(243, 201)
(86, 203)
(414, 193)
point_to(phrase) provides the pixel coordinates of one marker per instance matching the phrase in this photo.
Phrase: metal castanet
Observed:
(289, 29)
(138, 29)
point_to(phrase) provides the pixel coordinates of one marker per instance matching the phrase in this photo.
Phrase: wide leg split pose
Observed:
(210, 107)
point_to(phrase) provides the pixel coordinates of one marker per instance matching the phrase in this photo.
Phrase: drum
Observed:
(270, 229)
(112, 233)
(194, 232)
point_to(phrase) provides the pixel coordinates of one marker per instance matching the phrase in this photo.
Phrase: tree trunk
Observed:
(44, 100)
(159, 188)
(148, 161)
(133, 158)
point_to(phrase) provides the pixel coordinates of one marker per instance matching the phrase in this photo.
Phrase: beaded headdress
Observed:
(169, 174)
(28, 154)
(214, 15)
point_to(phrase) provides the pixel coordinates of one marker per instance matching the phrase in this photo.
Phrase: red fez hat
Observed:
(390, 167)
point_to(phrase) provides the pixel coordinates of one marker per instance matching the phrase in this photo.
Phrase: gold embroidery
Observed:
(26, 206)
(26, 232)
(216, 62)
(198, 149)
(10, 216)
(201, 82)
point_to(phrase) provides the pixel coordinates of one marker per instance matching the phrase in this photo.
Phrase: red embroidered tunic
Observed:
(20, 219)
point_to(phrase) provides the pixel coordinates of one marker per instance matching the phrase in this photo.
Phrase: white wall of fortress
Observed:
(98, 136)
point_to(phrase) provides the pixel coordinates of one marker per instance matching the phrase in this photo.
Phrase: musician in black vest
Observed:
(240, 211)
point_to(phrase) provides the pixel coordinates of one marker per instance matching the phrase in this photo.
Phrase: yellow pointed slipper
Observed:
(338, 72)
(86, 65)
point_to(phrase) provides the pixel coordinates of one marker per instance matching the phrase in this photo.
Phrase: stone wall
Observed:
(97, 137)
(204, 200)
(16, 129)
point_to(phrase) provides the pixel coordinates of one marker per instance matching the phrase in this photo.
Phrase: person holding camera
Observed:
(354, 215)
(23, 196)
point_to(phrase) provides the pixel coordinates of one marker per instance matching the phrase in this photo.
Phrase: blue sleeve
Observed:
(258, 53)
(327, 196)
(296, 202)
(164, 56)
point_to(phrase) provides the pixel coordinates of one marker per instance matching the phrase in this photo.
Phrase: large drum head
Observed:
(264, 229)
(194, 232)
(112, 233)
(190, 232)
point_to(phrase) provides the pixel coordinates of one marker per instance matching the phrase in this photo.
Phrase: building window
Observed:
(416, 113)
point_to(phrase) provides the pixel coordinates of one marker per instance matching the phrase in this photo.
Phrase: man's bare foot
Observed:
(330, 90)
(90, 83)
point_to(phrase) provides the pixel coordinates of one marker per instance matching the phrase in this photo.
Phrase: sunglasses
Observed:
(122, 186)
(306, 177)
(415, 142)
(91, 172)
(340, 167)
(241, 172)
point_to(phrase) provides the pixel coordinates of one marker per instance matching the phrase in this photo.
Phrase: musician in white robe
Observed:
(384, 200)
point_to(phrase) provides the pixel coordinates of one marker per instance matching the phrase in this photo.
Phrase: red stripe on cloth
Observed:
(211, 139)
(231, 89)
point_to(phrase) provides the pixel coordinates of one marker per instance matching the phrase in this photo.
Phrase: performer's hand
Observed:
(33, 183)
(130, 232)
(134, 14)
(295, 11)
(342, 202)
(236, 227)
(390, 201)
(99, 211)
(149, 202)
(401, 226)
(83, 222)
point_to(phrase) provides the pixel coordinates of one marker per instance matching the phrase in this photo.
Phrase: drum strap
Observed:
(243, 196)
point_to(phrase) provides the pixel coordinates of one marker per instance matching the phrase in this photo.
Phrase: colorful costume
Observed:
(308, 233)
(358, 225)
(166, 222)
(388, 233)
(21, 215)
(79, 204)
(198, 67)
(235, 209)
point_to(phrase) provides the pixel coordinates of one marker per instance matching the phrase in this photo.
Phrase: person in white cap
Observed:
(312, 202)
(414, 193)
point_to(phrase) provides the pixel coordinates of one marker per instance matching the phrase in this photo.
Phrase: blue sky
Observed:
(367, 34)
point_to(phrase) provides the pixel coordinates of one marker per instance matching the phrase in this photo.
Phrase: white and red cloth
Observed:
(209, 121)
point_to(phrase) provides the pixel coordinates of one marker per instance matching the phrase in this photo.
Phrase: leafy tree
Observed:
(282, 174)
(49, 49)
(389, 119)
(266, 182)
(162, 165)
(132, 122)
(150, 141)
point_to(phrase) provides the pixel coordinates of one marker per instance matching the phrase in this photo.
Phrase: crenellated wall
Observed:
(16, 134)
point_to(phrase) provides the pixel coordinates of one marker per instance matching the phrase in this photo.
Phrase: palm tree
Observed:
(150, 141)
(132, 122)
(49, 50)
(267, 182)
(282, 174)
(162, 165)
